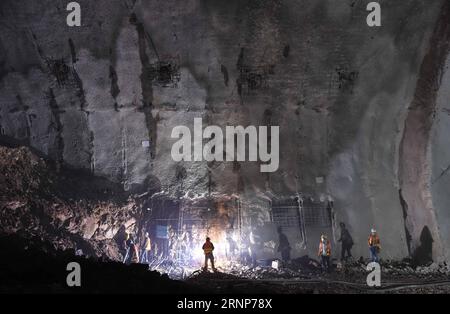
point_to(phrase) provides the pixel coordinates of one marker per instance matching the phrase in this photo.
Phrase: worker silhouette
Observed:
(283, 246)
(146, 250)
(132, 255)
(231, 247)
(347, 243)
(208, 249)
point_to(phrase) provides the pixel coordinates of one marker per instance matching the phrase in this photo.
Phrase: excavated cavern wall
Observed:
(439, 142)
(440, 162)
(338, 89)
(422, 155)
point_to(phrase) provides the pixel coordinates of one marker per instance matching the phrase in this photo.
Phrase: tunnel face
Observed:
(361, 110)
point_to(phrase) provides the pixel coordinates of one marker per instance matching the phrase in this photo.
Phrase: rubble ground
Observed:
(304, 276)
(65, 207)
(35, 266)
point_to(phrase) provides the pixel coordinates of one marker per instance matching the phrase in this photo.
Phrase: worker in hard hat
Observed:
(374, 245)
(208, 249)
(324, 252)
(146, 249)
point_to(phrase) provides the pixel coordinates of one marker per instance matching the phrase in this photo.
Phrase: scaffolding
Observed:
(299, 214)
(288, 213)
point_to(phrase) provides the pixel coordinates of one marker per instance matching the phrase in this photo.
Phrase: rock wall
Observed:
(66, 209)
(341, 92)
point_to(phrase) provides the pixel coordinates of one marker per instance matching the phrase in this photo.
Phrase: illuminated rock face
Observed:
(106, 96)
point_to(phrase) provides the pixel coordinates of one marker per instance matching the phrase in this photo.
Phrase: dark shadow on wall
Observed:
(423, 255)
(413, 168)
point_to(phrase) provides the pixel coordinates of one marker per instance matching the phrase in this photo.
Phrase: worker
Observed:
(374, 245)
(254, 245)
(208, 249)
(183, 242)
(147, 248)
(346, 241)
(132, 255)
(324, 252)
(283, 246)
(134, 251)
(231, 246)
(126, 247)
(123, 244)
(172, 243)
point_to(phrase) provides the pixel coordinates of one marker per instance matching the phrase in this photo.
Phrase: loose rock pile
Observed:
(67, 208)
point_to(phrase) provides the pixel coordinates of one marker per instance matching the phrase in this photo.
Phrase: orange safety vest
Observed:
(208, 247)
(327, 250)
(374, 240)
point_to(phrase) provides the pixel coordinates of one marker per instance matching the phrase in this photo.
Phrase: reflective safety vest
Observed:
(327, 249)
(148, 244)
(208, 247)
(374, 240)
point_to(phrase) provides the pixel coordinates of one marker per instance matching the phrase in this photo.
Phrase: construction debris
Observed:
(67, 208)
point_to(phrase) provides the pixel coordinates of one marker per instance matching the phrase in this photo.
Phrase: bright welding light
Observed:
(198, 255)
